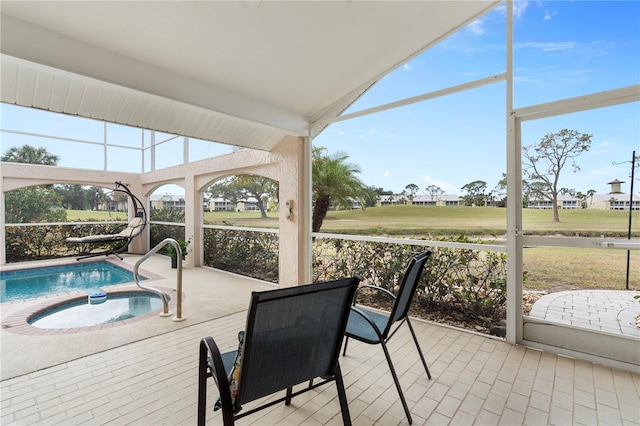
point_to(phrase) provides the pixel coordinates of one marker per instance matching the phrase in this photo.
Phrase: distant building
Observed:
(167, 201)
(420, 200)
(388, 200)
(614, 200)
(616, 186)
(222, 204)
(565, 202)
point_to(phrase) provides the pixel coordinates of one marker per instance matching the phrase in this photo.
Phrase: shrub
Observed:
(249, 253)
(25, 243)
(469, 284)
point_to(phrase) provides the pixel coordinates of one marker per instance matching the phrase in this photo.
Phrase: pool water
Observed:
(36, 282)
(80, 313)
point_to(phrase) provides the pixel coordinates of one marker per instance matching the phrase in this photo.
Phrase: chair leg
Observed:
(346, 340)
(415, 339)
(202, 387)
(288, 400)
(397, 382)
(219, 376)
(342, 397)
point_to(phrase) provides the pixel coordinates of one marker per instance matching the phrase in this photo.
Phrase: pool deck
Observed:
(146, 373)
(206, 295)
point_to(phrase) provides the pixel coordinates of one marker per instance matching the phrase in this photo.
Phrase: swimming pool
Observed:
(80, 313)
(37, 282)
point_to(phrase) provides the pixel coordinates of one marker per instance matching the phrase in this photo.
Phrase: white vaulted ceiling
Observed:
(244, 73)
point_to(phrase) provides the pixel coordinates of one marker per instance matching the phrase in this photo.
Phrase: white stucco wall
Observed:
(283, 164)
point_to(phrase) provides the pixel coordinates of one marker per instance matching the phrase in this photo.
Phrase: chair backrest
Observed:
(407, 289)
(134, 228)
(293, 335)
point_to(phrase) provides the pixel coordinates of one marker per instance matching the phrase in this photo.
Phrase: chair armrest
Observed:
(373, 287)
(373, 325)
(210, 354)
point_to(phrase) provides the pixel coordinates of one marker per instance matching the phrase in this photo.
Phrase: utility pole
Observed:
(633, 168)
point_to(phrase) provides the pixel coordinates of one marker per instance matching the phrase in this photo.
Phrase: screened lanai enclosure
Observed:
(187, 93)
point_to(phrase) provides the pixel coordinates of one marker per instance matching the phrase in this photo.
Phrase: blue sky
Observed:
(562, 49)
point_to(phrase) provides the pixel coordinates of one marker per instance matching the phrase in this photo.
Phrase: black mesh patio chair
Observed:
(292, 336)
(375, 327)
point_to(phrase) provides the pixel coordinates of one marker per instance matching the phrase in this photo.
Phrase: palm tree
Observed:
(334, 181)
(30, 155)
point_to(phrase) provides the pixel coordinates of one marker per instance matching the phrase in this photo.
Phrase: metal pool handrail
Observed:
(163, 295)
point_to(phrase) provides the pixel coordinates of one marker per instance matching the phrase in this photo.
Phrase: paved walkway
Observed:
(476, 380)
(146, 373)
(613, 311)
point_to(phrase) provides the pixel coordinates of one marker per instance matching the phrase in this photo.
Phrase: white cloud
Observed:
(369, 132)
(519, 8)
(604, 171)
(407, 67)
(548, 14)
(476, 27)
(548, 46)
(601, 148)
(448, 187)
(387, 173)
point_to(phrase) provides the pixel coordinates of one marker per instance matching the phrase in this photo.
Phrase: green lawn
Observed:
(569, 268)
(437, 220)
(401, 219)
(548, 268)
(94, 215)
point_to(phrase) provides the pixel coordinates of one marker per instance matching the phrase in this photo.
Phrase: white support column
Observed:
(105, 164)
(294, 218)
(141, 150)
(305, 196)
(153, 151)
(514, 200)
(185, 150)
(3, 234)
(193, 220)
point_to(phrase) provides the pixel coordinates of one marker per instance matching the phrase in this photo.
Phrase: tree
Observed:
(30, 155)
(475, 193)
(260, 188)
(544, 161)
(501, 190)
(227, 189)
(37, 203)
(371, 195)
(583, 198)
(590, 194)
(242, 187)
(33, 204)
(333, 180)
(72, 196)
(434, 191)
(120, 198)
(412, 189)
